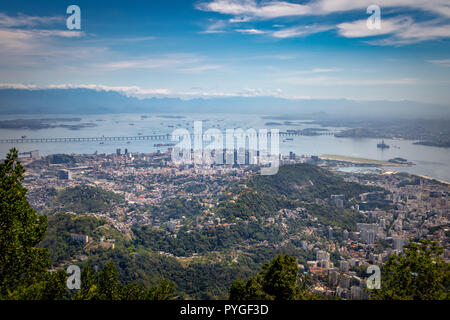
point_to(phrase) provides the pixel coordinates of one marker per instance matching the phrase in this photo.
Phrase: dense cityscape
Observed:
(148, 186)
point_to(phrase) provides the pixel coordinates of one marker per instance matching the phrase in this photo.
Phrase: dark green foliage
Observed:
(276, 281)
(280, 277)
(211, 239)
(176, 208)
(83, 199)
(108, 283)
(51, 286)
(106, 286)
(334, 216)
(238, 290)
(197, 280)
(61, 225)
(306, 182)
(196, 188)
(296, 186)
(21, 230)
(252, 204)
(419, 273)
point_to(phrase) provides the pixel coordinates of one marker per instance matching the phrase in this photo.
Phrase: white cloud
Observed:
(22, 20)
(402, 30)
(425, 31)
(299, 31)
(334, 81)
(138, 64)
(440, 7)
(126, 90)
(216, 26)
(179, 63)
(359, 29)
(199, 69)
(240, 19)
(21, 34)
(266, 10)
(274, 9)
(250, 31)
(27, 41)
(141, 93)
(443, 62)
(315, 71)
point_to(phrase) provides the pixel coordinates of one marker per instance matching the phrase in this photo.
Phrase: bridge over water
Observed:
(123, 138)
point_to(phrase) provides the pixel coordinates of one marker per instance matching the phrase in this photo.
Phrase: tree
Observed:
(51, 287)
(89, 289)
(418, 274)
(23, 267)
(276, 281)
(238, 290)
(280, 277)
(108, 282)
(106, 286)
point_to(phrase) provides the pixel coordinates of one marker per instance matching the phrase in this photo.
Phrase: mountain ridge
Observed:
(89, 101)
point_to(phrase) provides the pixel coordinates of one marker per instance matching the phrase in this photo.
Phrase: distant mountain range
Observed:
(87, 101)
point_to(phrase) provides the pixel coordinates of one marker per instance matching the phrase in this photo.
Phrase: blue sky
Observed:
(317, 49)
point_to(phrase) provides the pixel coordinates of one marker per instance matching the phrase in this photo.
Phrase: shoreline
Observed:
(363, 160)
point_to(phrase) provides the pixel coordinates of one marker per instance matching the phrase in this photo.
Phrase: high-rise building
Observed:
(357, 293)
(333, 277)
(344, 281)
(345, 265)
(118, 151)
(368, 236)
(398, 243)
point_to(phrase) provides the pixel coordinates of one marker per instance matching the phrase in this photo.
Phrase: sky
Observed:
(312, 49)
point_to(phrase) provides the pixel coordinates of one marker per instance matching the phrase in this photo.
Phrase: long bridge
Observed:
(123, 138)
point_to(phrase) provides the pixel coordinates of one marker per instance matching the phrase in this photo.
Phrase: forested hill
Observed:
(294, 186)
(306, 182)
(83, 199)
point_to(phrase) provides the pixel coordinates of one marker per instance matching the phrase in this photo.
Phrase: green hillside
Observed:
(306, 182)
(83, 199)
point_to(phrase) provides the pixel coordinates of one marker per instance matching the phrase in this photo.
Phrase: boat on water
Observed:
(382, 145)
(288, 139)
(24, 137)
